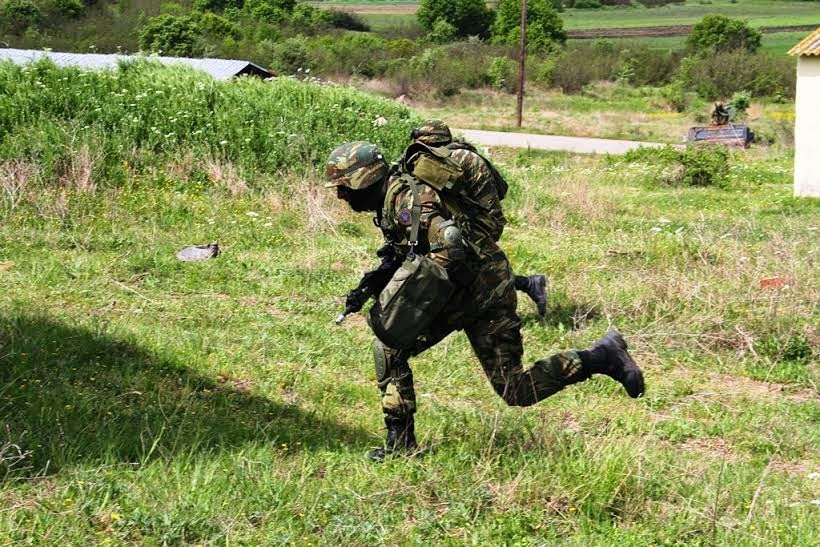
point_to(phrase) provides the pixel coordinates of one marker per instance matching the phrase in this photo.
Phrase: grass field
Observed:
(774, 43)
(759, 13)
(147, 401)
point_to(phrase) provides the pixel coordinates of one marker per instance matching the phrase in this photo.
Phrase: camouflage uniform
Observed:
(485, 307)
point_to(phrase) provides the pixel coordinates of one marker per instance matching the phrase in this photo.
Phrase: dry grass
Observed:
(16, 176)
(77, 171)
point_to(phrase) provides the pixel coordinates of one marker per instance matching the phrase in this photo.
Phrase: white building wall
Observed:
(807, 128)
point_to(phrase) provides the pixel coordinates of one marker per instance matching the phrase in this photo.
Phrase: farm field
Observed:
(759, 13)
(149, 401)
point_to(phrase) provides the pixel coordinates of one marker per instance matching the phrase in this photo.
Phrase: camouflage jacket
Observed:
(475, 210)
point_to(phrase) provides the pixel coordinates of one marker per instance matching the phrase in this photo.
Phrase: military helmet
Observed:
(432, 132)
(355, 165)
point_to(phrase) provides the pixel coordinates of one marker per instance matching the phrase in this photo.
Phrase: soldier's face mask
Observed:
(360, 201)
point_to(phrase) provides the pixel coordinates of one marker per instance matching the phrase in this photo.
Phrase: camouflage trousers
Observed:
(486, 311)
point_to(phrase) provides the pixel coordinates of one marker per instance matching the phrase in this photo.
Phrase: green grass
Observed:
(162, 402)
(149, 401)
(775, 43)
(759, 13)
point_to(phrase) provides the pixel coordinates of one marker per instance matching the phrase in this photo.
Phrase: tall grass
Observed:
(140, 116)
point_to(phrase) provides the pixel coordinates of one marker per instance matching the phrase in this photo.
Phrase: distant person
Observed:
(445, 272)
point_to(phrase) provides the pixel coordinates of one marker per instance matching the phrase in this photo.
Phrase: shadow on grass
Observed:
(70, 395)
(571, 315)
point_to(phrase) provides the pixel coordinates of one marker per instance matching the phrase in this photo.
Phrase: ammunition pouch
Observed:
(410, 302)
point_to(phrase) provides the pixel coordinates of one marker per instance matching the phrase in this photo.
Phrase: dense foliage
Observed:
(719, 34)
(468, 17)
(143, 114)
(545, 29)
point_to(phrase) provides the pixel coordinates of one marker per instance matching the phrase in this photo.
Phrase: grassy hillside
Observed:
(143, 116)
(149, 401)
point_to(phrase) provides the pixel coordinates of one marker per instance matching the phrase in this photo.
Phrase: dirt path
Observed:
(582, 145)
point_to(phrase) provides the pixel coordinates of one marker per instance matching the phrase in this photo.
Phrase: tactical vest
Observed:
(433, 166)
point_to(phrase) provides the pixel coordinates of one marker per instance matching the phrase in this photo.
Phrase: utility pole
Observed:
(521, 57)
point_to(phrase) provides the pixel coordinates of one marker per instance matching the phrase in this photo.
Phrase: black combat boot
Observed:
(609, 356)
(536, 288)
(401, 437)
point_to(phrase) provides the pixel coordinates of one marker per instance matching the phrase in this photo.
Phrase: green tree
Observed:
(718, 33)
(174, 35)
(469, 17)
(545, 29)
(18, 15)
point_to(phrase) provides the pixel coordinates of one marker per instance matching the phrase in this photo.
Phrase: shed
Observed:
(807, 117)
(220, 69)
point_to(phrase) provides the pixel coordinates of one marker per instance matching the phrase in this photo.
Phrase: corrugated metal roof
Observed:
(809, 46)
(220, 69)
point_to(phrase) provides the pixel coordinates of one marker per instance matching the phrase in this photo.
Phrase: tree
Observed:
(174, 35)
(545, 29)
(718, 33)
(469, 17)
(18, 15)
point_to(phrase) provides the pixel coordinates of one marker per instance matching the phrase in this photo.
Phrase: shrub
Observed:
(469, 17)
(545, 29)
(701, 165)
(587, 4)
(579, 66)
(69, 8)
(291, 55)
(215, 25)
(718, 33)
(718, 76)
(445, 70)
(659, 3)
(172, 35)
(216, 6)
(355, 54)
(348, 21)
(442, 32)
(741, 100)
(501, 74)
(309, 19)
(18, 15)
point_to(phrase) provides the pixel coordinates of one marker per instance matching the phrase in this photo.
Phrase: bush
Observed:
(741, 100)
(443, 32)
(545, 29)
(501, 74)
(291, 55)
(587, 4)
(659, 3)
(18, 15)
(217, 26)
(718, 33)
(348, 21)
(444, 71)
(216, 6)
(308, 19)
(719, 76)
(172, 35)
(700, 165)
(69, 8)
(354, 54)
(469, 17)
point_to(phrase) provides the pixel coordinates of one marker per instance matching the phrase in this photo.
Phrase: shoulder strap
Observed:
(416, 214)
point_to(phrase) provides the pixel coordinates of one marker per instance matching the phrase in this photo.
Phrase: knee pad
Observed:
(381, 360)
(389, 363)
